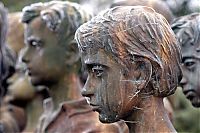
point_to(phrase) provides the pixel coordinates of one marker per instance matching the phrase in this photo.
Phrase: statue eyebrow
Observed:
(31, 38)
(189, 57)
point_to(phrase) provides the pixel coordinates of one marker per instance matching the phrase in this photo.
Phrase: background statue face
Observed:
(191, 73)
(19, 86)
(44, 57)
(110, 92)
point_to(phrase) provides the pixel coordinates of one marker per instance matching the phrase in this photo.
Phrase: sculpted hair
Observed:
(187, 29)
(128, 33)
(61, 17)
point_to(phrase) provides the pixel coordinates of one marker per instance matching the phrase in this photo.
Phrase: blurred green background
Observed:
(17, 5)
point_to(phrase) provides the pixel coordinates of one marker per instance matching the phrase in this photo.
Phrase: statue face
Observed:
(191, 73)
(44, 57)
(110, 92)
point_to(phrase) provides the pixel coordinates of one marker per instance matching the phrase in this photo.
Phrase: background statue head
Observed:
(187, 30)
(158, 5)
(129, 52)
(49, 33)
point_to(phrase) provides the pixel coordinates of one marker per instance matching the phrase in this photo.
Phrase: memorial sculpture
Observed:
(187, 30)
(53, 60)
(133, 62)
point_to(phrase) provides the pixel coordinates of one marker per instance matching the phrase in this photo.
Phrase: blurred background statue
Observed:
(187, 29)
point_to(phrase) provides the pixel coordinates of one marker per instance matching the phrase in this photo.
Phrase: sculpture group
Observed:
(132, 56)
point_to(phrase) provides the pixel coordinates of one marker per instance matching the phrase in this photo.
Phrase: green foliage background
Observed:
(17, 5)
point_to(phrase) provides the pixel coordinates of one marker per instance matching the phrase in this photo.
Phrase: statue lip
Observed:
(29, 72)
(95, 107)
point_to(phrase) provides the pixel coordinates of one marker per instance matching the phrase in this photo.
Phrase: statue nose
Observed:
(86, 93)
(88, 89)
(183, 81)
(25, 57)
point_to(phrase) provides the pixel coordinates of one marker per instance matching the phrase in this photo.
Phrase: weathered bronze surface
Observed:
(52, 59)
(187, 30)
(133, 61)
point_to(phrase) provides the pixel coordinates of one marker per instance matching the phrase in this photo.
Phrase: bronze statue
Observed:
(133, 62)
(52, 60)
(187, 30)
(158, 5)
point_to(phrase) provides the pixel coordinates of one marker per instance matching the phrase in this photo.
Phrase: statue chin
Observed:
(196, 102)
(35, 81)
(108, 118)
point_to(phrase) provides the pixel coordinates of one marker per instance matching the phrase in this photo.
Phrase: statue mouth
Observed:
(95, 107)
(29, 73)
(196, 102)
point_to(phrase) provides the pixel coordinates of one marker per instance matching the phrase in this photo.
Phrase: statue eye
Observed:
(98, 70)
(34, 43)
(190, 64)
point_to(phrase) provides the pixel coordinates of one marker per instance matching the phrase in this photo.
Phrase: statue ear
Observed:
(72, 53)
(142, 72)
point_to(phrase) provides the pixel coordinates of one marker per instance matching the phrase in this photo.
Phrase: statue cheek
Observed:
(128, 99)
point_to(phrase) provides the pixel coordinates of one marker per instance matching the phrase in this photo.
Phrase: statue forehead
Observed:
(98, 56)
(36, 25)
(189, 50)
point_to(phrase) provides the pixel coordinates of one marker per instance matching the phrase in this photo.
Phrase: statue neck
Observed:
(150, 117)
(67, 89)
